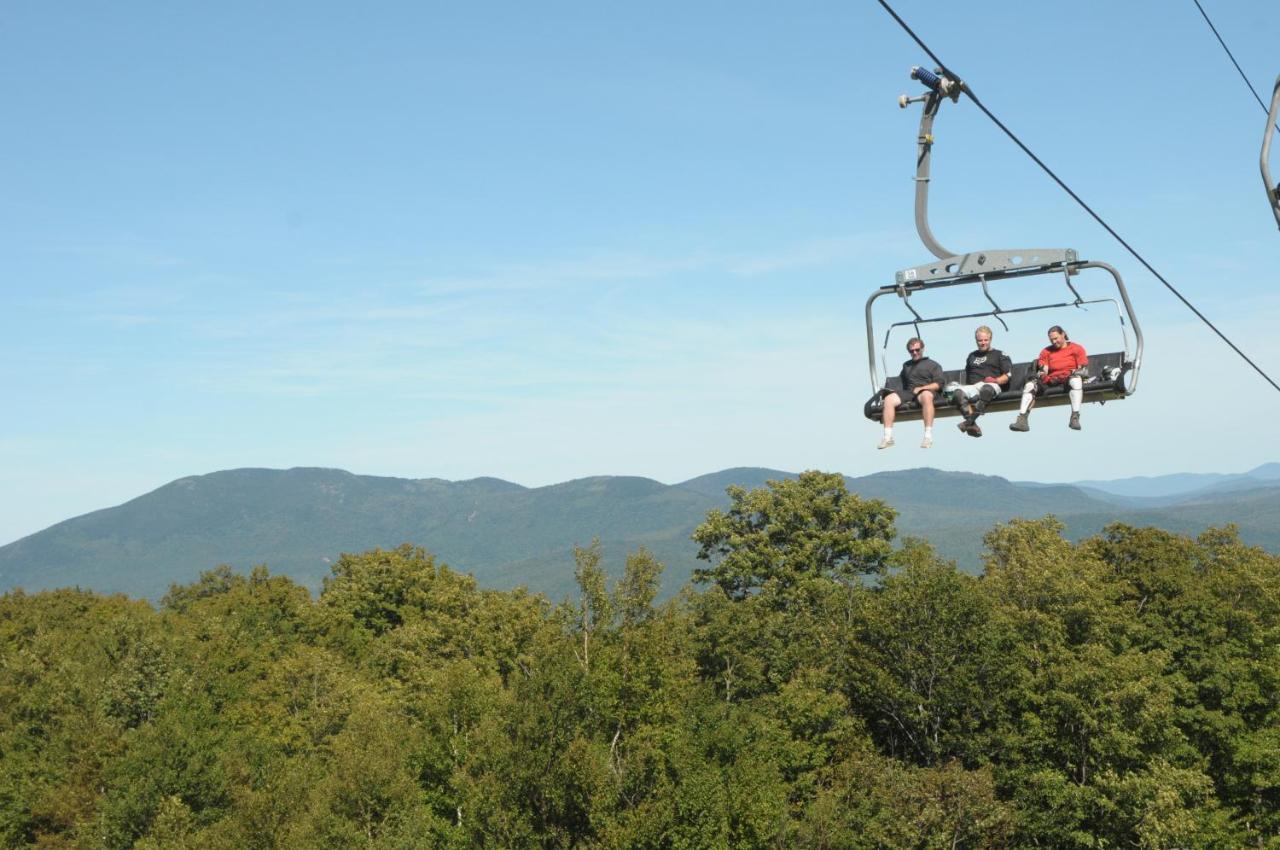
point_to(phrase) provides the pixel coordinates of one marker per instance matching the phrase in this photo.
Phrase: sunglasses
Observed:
(914, 350)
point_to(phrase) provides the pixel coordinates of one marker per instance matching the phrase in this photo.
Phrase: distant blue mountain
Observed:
(750, 477)
(297, 522)
(1171, 489)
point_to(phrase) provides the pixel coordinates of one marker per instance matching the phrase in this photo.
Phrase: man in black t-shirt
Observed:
(986, 374)
(921, 379)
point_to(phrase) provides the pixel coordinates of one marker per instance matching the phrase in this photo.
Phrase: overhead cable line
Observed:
(1230, 55)
(964, 87)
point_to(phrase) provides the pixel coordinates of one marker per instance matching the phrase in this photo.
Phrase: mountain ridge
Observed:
(1176, 485)
(297, 521)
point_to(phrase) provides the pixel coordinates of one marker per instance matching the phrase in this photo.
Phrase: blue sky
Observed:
(548, 241)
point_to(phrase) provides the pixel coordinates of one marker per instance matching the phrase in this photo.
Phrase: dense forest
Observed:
(822, 684)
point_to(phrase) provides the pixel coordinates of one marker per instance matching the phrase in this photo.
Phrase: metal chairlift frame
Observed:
(1117, 374)
(1273, 190)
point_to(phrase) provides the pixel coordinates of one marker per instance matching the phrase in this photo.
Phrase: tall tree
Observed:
(792, 531)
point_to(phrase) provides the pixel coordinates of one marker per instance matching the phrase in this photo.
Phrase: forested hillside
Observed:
(823, 685)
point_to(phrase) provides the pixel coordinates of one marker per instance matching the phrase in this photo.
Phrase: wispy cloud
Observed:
(608, 267)
(822, 251)
(563, 328)
(117, 251)
(125, 320)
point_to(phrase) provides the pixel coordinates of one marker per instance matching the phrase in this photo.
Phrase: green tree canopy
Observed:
(791, 531)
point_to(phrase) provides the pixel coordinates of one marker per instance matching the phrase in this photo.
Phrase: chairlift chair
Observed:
(1273, 190)
(1112, 375)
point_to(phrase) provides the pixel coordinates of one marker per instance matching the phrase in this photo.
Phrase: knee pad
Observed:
(987, 392)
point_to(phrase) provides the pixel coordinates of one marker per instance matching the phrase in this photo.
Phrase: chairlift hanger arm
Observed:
(1273, 190)
(940, 87)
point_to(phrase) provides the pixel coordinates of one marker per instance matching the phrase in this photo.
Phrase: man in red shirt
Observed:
(1061, 362)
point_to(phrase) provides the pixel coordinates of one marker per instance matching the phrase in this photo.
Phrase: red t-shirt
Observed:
(1063, 361)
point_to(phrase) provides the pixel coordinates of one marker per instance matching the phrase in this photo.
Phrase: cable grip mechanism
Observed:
(937, 81)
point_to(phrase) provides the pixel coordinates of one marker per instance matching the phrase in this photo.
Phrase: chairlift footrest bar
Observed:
(986, 262)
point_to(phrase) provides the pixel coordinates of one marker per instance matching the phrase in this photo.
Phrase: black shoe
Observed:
(964, 425)
(1074, 424)
(974, 430)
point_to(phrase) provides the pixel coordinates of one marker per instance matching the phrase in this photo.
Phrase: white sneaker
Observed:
(886, 443)
(926, 443)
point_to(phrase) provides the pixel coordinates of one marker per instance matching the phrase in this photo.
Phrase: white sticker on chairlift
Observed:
(909, 274)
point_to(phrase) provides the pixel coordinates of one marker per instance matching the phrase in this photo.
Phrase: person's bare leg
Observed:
(926, 406)
(891, 402)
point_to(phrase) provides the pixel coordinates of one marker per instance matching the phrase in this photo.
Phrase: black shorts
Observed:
(904, 396)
